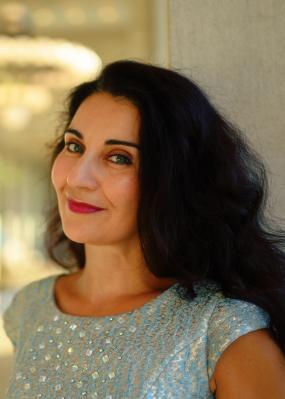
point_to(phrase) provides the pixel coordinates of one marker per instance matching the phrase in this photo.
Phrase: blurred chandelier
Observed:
(31, 66)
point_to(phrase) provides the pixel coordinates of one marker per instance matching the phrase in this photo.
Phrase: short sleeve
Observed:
(11, 318)
(231, 319)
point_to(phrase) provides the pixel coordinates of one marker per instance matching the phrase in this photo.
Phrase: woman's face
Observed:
(100, 174)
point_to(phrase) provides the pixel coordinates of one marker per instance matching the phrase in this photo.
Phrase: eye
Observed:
(68, 144)
(124, 159)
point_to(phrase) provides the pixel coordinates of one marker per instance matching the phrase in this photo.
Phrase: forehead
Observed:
(102, 112)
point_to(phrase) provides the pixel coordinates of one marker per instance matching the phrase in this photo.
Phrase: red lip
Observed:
(82, 207)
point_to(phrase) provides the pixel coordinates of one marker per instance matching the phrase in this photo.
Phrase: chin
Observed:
(85, 238)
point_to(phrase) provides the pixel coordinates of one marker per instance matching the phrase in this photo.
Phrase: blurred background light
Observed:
(43, 17)
(75, 15)
(30, 66)
(18, 103)
(108, 13)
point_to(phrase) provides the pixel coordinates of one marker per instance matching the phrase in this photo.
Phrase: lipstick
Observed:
(82, 207)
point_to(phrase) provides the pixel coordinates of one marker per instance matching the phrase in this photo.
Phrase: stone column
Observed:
(235, 49)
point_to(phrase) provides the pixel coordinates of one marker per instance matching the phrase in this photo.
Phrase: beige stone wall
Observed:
(235, 49)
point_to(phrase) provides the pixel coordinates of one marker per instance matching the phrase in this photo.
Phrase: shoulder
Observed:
(225, 312)
(224, 316)
(24, 301)
(34, 289)
(254, 365)
(26, 295)
(230, 320)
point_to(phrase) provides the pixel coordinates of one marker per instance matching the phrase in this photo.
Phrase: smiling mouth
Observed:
(81, 207)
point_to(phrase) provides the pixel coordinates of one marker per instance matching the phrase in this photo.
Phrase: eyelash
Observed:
(128, 160)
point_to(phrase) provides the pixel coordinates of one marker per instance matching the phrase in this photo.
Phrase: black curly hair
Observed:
(203, 191)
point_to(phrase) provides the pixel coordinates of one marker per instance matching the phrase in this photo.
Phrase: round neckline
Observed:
(142, 309)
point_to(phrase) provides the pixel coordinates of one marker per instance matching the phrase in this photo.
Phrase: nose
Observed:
(82, 174)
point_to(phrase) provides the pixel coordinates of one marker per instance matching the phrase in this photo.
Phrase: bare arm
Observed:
(252, 367)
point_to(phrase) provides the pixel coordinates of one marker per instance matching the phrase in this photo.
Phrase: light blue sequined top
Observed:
(168, 348)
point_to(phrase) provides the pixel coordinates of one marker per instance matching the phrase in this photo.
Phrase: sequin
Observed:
(89, 352)
(95, 375)
(167, 348)
(73, 326)
(18, 376)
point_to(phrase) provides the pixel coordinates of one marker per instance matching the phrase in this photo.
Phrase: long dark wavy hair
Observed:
(203, 191)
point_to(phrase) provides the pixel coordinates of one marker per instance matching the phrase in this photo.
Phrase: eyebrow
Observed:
(107, 142)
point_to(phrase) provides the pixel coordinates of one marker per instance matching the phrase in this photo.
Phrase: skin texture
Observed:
(92, 172)
(252, 367)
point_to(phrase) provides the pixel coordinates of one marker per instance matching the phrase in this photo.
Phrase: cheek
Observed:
(126, 192)
(58, 173)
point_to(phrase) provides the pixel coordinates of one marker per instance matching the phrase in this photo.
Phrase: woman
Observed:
(177, 287)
